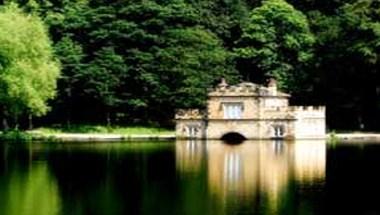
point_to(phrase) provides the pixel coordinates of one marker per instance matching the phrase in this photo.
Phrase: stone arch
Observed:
(233, 137)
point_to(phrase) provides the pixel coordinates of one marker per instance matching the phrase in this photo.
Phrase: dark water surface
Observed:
(190, 178)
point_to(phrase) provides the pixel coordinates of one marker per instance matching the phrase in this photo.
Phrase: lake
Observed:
(190, 178)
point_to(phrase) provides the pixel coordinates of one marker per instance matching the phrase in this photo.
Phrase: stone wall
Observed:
(265, 113)
(191, 129)
(215, 107)
(310, 123)
(190, 124)
(250, 129)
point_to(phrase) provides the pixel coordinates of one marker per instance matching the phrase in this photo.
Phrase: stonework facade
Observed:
(253, 111)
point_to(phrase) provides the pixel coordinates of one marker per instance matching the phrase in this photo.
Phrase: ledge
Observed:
(355, 137)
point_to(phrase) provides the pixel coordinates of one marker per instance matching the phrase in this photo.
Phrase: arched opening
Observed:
(233, 138)
(278, 132)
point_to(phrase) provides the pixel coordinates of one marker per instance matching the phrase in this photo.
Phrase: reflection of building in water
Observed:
(256, 169)
(263, 168)
(189, 155)
(310, 161)
(274, 168)
(232, 169)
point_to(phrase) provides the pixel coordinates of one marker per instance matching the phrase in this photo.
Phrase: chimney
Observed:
(272, 86)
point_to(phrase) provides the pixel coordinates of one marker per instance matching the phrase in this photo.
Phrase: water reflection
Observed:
(254, 172)
(28, 190)
(188, 177)
(310, 161)
(190, 155)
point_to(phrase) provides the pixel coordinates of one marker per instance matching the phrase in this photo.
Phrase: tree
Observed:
(28, 71)
(105, 76)
(222, 17)
(70, 54)
(348, 51)
(276, 42)
(171, 58)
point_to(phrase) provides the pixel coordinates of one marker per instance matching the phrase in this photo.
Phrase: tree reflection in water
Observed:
(31, 192)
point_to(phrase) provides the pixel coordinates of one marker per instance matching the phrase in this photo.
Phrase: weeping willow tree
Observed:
(28, 70)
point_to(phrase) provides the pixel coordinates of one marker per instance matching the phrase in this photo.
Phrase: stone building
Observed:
(250, 111)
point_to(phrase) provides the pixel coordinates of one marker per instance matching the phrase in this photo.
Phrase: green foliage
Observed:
(15, 136)
(136, 61)
(143, 59)
(333, 139)
(199, 62)
(278, 42)
(360, 21)
(223, 17)
(105, 75)
(347, 63)
(28, 70)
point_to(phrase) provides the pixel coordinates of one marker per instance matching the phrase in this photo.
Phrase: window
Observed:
(192, 131)
(278, 131)
(232, 110)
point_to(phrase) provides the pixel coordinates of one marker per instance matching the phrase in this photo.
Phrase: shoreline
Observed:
(354, 137)
(74, 137)
(92, 137)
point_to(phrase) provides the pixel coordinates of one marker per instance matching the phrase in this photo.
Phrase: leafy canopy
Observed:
(277, 41)
(28, 70)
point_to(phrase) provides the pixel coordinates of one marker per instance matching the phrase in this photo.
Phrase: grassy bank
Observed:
(51, 133)
(98, 129)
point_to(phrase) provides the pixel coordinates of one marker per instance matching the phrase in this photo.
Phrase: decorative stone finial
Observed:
(272, 86)
(272, 82)
(223, 83)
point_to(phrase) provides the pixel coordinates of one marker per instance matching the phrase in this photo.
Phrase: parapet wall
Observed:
(189, 114)
(308, 111)
(308, 108)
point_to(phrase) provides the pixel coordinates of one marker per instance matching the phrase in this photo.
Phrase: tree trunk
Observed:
(15, 120)
(4, 121)
(30, 121)
(108, 117)
(69, 106)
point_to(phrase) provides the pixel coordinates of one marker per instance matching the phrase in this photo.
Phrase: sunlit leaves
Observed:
(29, 72)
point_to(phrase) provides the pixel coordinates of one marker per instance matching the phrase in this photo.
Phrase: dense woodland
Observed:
(135, 61)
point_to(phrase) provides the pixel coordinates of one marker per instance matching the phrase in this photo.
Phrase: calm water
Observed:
(190, 178)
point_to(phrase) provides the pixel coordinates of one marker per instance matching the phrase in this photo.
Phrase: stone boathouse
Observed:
(250, 111)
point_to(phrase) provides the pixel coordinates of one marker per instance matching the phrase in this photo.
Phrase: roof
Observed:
(246, 89)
